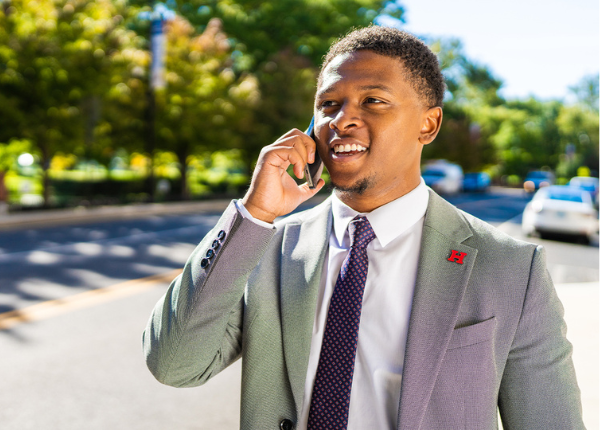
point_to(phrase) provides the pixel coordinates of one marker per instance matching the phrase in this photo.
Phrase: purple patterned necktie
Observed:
(333, 382)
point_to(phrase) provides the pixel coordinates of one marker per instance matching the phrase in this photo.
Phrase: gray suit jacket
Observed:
(485, 334)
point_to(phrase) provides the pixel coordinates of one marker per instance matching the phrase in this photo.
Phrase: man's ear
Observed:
(430, 125)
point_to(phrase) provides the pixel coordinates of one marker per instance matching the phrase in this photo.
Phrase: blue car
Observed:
(538, 179)
(476, 182)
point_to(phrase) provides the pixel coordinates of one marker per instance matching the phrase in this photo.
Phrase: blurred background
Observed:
(126, 126)
(116, 101)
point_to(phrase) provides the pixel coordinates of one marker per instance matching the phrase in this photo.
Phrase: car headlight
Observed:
(537, 206)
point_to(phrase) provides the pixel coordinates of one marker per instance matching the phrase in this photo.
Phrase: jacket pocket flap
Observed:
(470, 335)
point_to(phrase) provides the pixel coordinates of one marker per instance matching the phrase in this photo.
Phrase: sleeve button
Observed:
(286, 425)
(216, 244)
(221, 236)
(204, 263)
(210, 254)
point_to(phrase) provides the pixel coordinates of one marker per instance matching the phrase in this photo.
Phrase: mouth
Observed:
(347, 150)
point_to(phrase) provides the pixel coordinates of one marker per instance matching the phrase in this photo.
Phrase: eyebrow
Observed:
(361, 88)
(375, 87)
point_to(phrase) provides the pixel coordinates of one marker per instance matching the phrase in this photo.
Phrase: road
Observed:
(74, 300)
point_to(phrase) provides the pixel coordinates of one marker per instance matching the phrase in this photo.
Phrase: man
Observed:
(443, 320)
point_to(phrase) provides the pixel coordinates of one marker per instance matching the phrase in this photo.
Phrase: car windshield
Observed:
(584, 182)
(564, 194)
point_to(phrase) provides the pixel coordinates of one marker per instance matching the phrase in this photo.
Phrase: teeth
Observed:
(349, 148)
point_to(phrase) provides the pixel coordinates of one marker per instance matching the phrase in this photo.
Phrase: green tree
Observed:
(57, 57)
(9, 152)
(578, 128)
(524, 134)
(121, 122)
(264, 28)
(586, 92)
(281, 43)
(204, 101)
(482, 130)
(464, 138)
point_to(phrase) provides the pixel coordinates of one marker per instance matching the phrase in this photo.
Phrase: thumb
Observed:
(306, 192)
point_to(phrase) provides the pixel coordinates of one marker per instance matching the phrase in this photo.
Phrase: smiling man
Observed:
(382, 308)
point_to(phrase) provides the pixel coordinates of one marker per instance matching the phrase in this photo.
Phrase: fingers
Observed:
(308, 143)
(281, 158)
(294, 148)
(273, 192)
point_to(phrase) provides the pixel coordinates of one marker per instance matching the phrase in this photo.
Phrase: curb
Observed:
(82, 215)
(55, 217)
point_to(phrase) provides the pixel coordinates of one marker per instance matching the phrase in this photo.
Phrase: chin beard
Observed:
(358, 187)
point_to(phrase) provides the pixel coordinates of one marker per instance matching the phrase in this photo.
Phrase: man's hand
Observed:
(273, 192)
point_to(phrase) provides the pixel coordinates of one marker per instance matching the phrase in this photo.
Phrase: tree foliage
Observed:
(74, 79)
(56, 57)
(281, 43)
(482, 130)
(205, 103)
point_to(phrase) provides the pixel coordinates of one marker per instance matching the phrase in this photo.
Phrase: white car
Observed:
(443, 177)
(563, 210)
(588, 184)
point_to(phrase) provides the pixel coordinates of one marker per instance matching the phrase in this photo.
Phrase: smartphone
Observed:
(313, 171)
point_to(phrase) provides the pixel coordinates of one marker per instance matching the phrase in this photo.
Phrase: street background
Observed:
(76, 295)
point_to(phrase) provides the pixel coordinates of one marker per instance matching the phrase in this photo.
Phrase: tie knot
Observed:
(361, 232)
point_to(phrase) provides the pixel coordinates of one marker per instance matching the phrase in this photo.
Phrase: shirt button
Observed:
(286, 425)
(221, 236)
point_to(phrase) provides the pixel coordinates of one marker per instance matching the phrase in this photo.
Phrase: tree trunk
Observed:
(182, 156)
(3, 190)
(45, 163)
(46, 186)
(151, 140)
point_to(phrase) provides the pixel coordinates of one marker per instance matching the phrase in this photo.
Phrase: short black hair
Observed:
(422, 66)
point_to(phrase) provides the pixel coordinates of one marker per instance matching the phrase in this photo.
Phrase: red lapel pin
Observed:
(457, 256)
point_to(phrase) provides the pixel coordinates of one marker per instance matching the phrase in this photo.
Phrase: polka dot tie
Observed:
(333, 382)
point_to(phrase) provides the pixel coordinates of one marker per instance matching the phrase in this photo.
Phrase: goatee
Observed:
(358, 187)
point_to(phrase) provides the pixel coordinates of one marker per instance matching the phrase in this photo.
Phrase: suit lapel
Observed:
(439, 290)
(303, 254)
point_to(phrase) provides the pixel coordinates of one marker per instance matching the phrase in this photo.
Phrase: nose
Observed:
(345, 119)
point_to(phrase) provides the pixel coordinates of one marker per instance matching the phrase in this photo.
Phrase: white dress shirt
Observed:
(393, 259)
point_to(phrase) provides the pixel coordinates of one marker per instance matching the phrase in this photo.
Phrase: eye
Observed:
(373, 100)
(327, 103)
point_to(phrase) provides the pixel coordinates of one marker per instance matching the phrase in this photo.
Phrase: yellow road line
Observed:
(82, 300)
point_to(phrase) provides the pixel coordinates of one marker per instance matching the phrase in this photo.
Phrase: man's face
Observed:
(368, 124)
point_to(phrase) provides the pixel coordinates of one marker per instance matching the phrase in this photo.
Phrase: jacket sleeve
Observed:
(195, 329)
(539, 389)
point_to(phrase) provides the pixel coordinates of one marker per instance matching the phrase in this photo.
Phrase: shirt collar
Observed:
(388, 221)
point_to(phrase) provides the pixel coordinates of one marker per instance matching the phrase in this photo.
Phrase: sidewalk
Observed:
(582, 317)
(54, 217)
